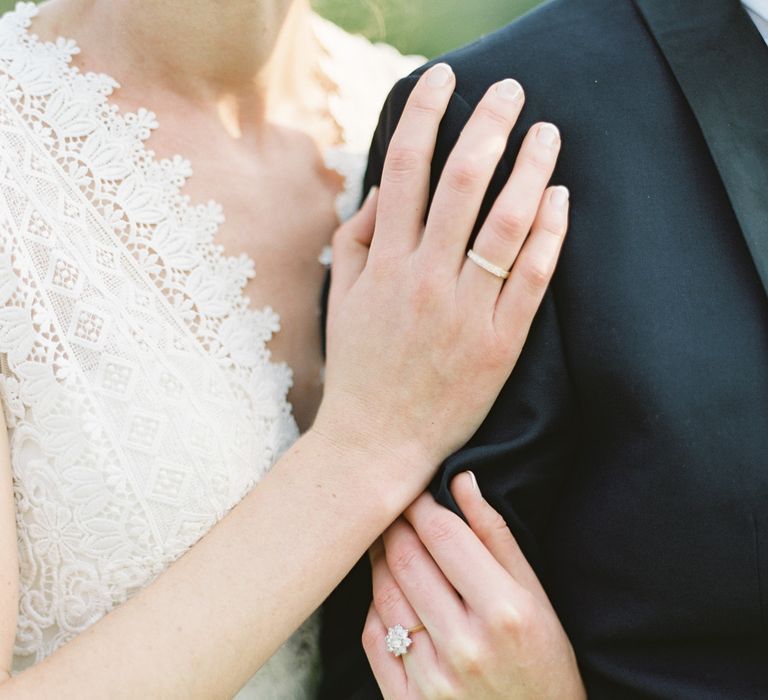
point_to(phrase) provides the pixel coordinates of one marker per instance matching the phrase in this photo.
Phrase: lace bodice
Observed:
(141, 400)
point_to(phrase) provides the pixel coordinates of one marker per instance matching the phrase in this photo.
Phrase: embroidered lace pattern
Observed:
(141, 400)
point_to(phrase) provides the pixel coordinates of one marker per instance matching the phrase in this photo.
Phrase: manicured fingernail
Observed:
(474, 480)
(560, 196)
(509, 89)
(548, 135)
(439, 75)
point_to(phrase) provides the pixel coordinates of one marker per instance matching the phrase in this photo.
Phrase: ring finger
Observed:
(394, 609)
(467, 173)
(434, 599)
(511, 217)
(388, 670)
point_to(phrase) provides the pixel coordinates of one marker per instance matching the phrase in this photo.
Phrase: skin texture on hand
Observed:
(491, 632)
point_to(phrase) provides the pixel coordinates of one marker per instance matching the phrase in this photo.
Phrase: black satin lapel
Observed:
(721, 63)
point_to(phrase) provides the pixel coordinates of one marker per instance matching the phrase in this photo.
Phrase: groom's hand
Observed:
(490, 630)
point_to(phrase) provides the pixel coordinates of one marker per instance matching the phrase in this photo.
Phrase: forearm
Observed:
(219, 612)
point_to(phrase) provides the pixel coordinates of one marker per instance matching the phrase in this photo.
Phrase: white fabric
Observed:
(140, 396)
(758, 11)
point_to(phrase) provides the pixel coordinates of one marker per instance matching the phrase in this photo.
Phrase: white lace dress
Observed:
(141, 400)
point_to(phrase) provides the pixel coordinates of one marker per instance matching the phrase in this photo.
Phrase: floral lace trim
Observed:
(121, 155)
(151, 192)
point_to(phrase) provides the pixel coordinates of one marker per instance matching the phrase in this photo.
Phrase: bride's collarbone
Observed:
(275, 189)
(278, 199)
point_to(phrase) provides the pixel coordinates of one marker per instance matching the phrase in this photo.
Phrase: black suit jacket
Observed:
(629, 450)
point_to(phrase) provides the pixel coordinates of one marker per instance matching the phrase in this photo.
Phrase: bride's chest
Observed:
(146, 301)
(279, 210)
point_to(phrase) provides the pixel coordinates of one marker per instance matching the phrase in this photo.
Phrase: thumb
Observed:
(351, 244)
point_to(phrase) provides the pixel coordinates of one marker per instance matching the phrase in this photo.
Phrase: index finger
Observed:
(407, 165)
(492, 530)
(464, 560)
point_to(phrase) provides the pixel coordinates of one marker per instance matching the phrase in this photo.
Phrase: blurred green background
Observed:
(426, 27)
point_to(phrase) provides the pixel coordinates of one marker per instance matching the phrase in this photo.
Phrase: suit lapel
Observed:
(721, 64)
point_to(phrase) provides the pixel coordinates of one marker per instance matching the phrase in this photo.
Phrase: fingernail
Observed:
(560, 197)
(509, 89)
(371, 194)
(548, 135)
(439, 75)
(474, 480)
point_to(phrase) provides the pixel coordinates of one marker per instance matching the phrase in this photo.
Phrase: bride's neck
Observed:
(202, 48)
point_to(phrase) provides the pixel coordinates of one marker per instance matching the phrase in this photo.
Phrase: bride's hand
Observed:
(491, 631)
(420, 338)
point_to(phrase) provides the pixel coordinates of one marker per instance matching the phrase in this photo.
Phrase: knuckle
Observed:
(536, 159)
(422, 102)
(507, 620)
(487, 112)
(495, 527)
(536, 275)
(467, 658)
(401, 561)
(511, 224)
(381, 265)
(401, 162)
(516, 620)
(554, 228)
(464, 175)
(442, 529)
(386, 599)
(501, 533)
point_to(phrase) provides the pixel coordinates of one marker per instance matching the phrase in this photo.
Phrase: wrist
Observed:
(352, 423)
(390, 477)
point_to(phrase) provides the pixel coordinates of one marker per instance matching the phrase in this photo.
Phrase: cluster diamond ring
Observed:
(487, 265)
(398, 638)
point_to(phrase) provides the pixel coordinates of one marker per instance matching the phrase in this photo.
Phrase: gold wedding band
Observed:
(488, 266)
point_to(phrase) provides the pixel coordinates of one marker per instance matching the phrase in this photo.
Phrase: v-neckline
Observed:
(180, 170)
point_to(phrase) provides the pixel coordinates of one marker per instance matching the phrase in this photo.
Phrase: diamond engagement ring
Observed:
(398, 638)
(488, 266)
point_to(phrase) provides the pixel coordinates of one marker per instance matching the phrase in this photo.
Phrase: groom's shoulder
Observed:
(582, 63)
(558, 44)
